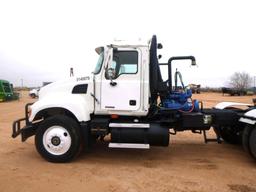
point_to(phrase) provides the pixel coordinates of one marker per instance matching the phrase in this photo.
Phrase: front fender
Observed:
(224, 105)
(80, 105)
(249, 117)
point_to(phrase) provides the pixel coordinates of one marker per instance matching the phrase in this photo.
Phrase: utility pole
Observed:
(254, 88)
(71, 74)
(21, 83)
(254, 82)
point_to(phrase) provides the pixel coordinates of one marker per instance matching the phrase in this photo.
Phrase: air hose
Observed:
(178, 74)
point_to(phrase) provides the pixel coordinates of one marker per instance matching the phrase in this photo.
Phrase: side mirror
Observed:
(159, 56)
(111, 73)
(111, 76)
(159, 46)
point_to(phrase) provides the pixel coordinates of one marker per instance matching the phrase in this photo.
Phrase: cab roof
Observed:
(130, 43)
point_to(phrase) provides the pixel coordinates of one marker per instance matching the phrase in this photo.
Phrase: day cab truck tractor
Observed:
(6, 91)
(127, 99)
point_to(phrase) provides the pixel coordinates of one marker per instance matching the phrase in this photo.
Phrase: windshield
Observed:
(1, 89)
(99, 63)
(7, 88)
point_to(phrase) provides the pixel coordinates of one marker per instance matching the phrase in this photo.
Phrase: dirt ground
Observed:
(186, 165)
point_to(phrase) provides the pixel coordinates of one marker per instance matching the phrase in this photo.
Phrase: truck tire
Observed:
(252, 143)
(245, 138)
(58, 139)
(229, 135)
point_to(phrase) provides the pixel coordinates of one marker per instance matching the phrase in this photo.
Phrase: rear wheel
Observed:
(230, 134)
(58, 139)
(245, 138)
(252, 143)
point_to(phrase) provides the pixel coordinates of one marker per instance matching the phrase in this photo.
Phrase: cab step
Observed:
(129, 145)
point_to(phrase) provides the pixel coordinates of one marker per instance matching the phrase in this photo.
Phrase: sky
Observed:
(41, 40)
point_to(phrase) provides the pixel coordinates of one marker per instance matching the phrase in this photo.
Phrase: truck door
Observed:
(121, 82)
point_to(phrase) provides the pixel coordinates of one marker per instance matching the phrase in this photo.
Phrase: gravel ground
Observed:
(186, 165)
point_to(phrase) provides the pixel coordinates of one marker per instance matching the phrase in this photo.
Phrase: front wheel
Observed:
(58, 139)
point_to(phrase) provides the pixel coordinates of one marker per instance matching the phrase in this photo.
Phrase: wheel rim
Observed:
(56, 140)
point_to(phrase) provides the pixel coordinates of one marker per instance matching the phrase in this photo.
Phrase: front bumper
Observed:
(28, 130)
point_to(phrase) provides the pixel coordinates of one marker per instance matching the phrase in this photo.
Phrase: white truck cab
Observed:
(119, 85)
(122, 80)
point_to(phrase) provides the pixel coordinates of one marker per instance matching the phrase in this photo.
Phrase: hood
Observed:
(65, 86)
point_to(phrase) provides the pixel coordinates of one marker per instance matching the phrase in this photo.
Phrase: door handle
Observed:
(112, 83)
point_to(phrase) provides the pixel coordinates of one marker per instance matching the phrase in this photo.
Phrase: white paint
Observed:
(224, 105)
(251, 117)
(117, 98)
(251, 113)
(138, 87)
(129, 125)
(59, 94)
(248, 121)
(80, 105)
(129, 145)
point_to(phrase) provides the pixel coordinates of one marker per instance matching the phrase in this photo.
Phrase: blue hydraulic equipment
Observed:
(181, 97)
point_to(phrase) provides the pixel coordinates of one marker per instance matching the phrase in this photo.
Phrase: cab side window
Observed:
(124, 62)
